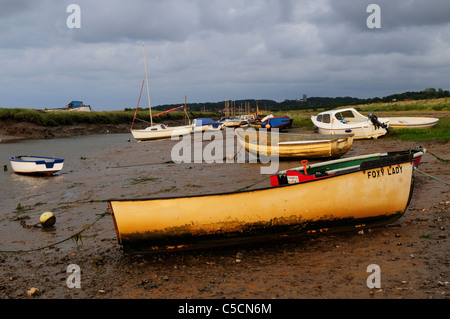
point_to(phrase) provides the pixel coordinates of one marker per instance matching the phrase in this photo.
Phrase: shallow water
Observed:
(73, 150)
(26, 197)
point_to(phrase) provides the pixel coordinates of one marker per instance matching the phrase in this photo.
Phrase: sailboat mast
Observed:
(148, 92)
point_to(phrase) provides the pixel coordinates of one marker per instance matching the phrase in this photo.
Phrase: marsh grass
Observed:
(442, 104)
(43, 118)
(302, 118)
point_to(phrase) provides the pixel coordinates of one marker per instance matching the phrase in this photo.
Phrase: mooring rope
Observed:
(433, 177)
(440, 158)
(247, 187)
(75, 237)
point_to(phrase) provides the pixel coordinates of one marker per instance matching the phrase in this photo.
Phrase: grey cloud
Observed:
(215, 50)
(394, 14)
(103, 21)
(11, 8)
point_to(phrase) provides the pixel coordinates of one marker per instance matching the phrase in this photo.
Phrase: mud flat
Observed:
(413, 252)
(11, 130)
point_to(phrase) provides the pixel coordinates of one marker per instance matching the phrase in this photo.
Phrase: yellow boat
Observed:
(356, 196)
(289, 145)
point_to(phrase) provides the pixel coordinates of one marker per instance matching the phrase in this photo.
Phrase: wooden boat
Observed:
(350, 121)
(330, 168)
(37, 165)
(412, 122)
(256, 123)
(160, 131)
(288, 145)
(375, 193)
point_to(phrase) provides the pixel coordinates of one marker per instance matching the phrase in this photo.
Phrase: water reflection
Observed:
(29, 183)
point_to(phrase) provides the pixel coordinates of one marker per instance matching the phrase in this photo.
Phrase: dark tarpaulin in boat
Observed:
(207, 121)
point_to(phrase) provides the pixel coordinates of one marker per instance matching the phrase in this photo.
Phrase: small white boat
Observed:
(40, 165)
(412, 122)
(160, 131)
(350, 121)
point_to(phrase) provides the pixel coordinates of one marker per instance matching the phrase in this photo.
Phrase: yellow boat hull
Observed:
(295, 145)
(352, 200)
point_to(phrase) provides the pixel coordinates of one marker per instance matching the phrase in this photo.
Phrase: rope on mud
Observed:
(145, 164)
(246, 187)
(75, 237)
(433, 177)
(440, 158)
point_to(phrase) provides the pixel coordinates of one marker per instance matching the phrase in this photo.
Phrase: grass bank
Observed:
(422, 108)
(442, 104)
(108, 117)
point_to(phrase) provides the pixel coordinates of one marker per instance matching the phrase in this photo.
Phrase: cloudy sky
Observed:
(212, 50)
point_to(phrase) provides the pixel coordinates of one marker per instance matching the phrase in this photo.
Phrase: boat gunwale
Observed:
(17, 158)
(344, 172)
(277, 117)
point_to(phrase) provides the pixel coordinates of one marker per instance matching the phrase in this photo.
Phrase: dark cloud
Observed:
(106, 21)
(217, 49)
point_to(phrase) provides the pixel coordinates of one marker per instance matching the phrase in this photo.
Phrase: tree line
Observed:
(310, 103)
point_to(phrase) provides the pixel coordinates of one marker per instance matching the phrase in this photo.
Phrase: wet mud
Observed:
(412, 252)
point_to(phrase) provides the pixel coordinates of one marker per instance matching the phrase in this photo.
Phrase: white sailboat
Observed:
(158, 131)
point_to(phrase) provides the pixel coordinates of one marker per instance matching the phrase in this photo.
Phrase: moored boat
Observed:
(412, 122)
(289, 145)
(233, 122)
(350, 199)
(350, 121)
(206, 124)
(160, 131)
(330, 168)
(279, 122)
(38, 165)
(157, 131)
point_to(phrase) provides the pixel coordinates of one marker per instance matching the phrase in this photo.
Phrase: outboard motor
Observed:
(374, 119)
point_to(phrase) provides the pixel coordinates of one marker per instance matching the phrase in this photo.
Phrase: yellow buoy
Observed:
(47, 219)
